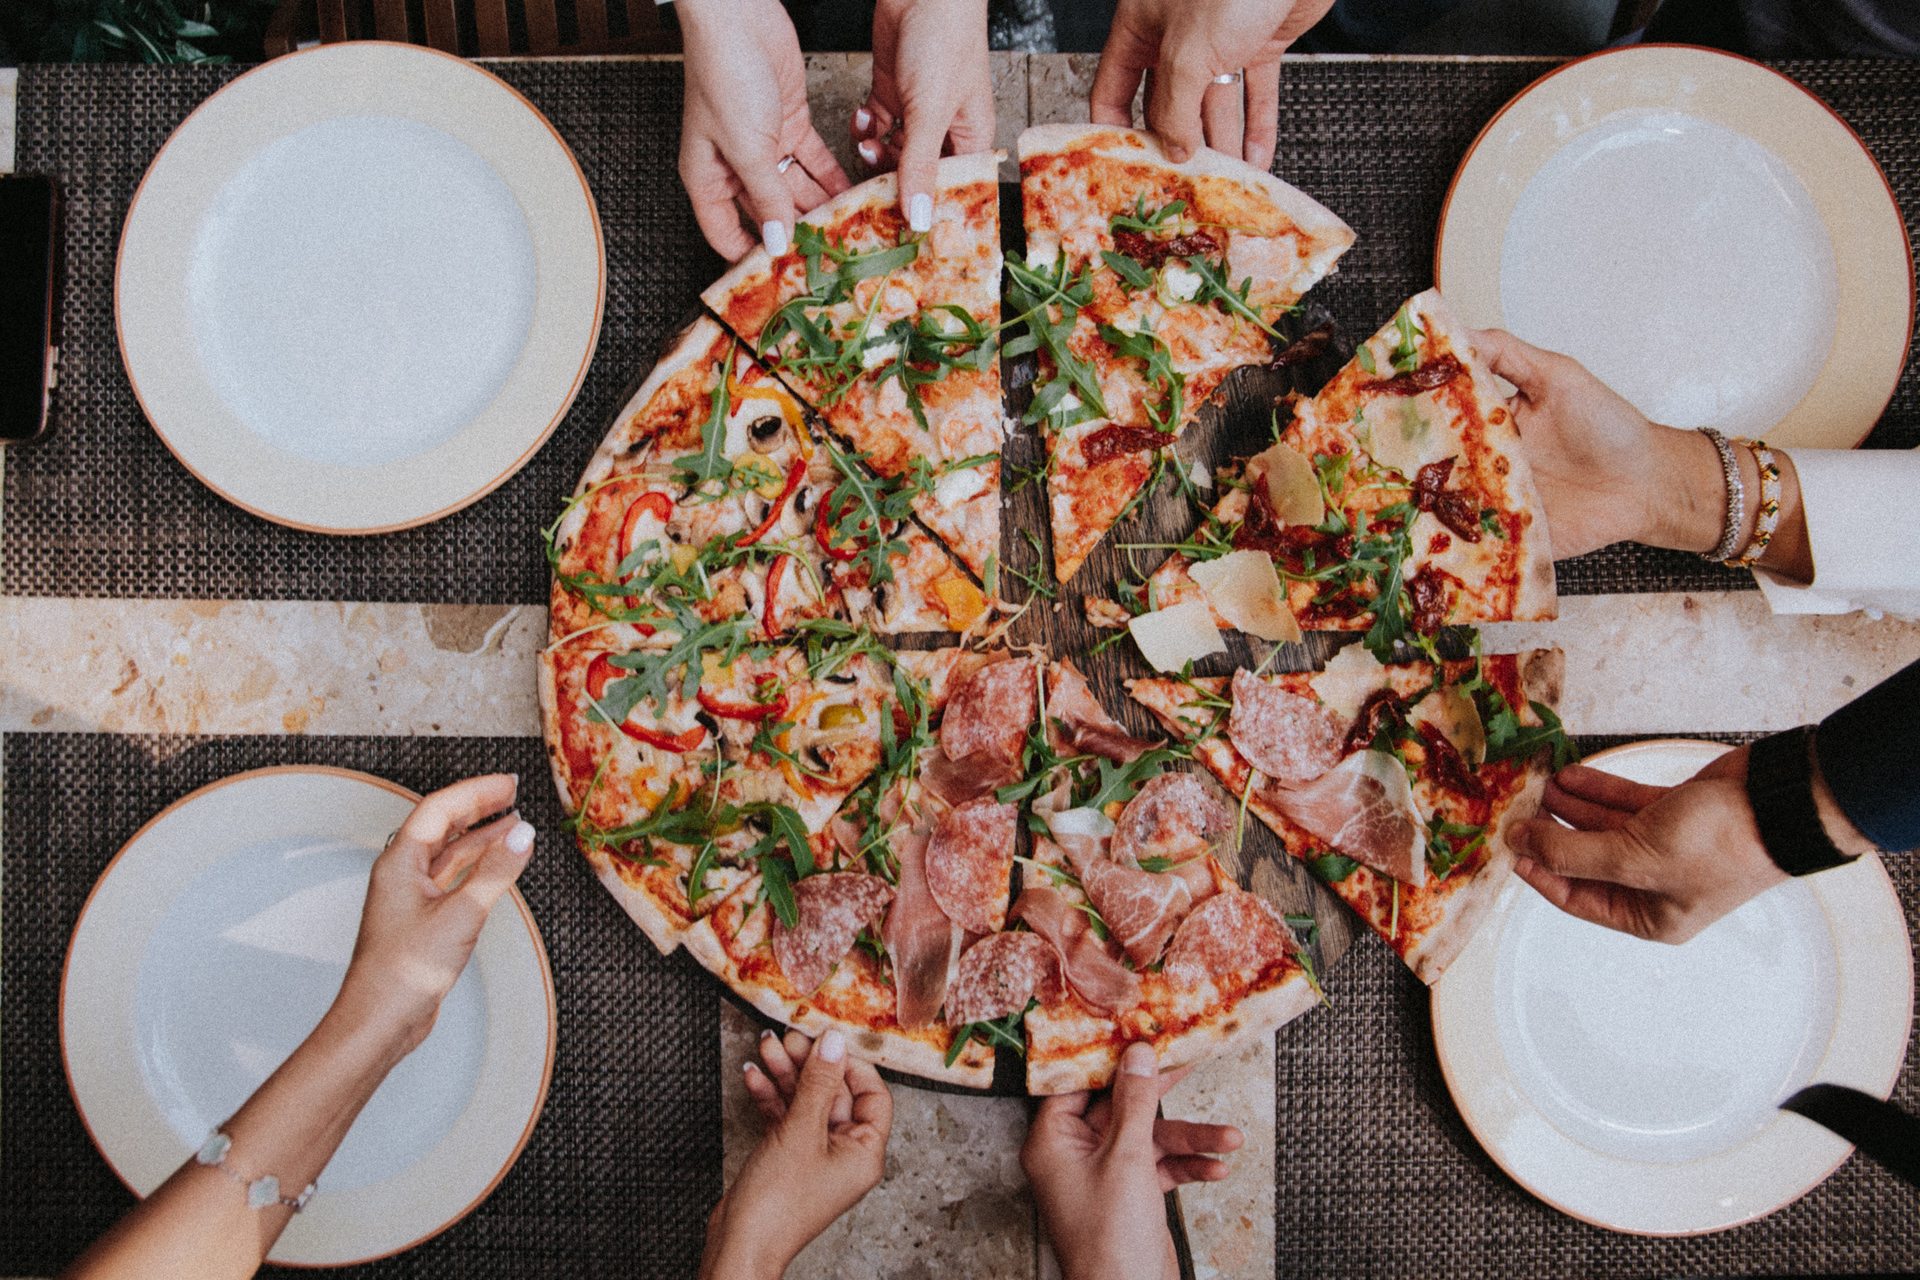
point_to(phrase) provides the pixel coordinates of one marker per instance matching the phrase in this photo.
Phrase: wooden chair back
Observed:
(478, 28)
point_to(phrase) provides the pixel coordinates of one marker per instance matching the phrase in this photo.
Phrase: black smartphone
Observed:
(29, 301)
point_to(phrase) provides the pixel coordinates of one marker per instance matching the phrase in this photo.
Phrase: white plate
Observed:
(359, 287)
(209, 949)
(1701, 232)
(1635, 1085)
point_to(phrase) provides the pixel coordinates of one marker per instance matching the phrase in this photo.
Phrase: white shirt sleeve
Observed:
(1863, 528)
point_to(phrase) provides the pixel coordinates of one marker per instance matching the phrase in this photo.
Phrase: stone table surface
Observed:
(954, 1200)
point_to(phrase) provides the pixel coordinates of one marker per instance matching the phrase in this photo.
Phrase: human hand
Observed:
(828, 1118)
(1100, 1168)
(1187, 43)
(421, 919)
(931, 78)
(745, 111)
(1660, 863)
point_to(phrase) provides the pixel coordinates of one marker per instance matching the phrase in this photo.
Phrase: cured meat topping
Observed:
(1231, 932)
(832, 908)
(1151, 253)
(1283, 735)
(1141, 908)
(1092, 967)
(1115, 441)
(918, 936)
(1077, 723)
(1175, 816)
(968, 862)
(999, 974)
(989, 712)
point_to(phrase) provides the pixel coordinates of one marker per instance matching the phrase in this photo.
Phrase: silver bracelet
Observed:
(1736, 499)
(262, 1191)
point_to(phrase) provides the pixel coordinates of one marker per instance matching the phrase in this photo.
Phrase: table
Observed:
(156, 639)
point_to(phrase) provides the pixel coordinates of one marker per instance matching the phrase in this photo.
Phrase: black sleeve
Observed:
(1869, 754)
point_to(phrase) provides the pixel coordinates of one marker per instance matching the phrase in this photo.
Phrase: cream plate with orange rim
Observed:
(359, 287)
(1701, 232)
(1635, 1085)
(209, 949)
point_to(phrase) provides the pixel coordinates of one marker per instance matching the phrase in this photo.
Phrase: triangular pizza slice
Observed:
(894, 337)
(1145, 284)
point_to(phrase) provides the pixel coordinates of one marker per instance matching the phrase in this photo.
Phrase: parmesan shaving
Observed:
(1171, 638)
(1080, 822)
(1454, 714)
(1293, 491)
(1244, 588)
(1350, 676)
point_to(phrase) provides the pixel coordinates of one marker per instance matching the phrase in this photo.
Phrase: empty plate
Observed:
(1636, 1085)
(359, 287)
(1700, 232)
(209, 950)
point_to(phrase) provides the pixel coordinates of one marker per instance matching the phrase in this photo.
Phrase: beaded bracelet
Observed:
(261, 1192)
(1769, 518)
(1736, 499)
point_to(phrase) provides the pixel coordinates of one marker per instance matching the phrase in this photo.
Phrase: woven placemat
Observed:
(1378, 1174)
(624, 1164)
(104, 510)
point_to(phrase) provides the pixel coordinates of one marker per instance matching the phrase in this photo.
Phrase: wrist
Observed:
(1687, 492)
(374, 1024)
(732, 1257)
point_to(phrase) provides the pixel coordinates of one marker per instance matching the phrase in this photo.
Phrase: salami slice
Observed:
(1176, 816)
(832, 909)
(1283, 735)
(968, 862)
(999, 974)
(989, 713)
(1230, 932)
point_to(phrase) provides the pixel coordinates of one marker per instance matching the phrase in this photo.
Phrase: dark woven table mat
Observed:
(624, 1164)
(1378, 1175)
(104, 510)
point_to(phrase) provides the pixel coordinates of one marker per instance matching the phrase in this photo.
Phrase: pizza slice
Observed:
(1144, 285)
(1396, 785)
(894, 337)
(712, 490)
(676, 764)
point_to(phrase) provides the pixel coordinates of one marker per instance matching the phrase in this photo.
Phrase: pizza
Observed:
(1145, 283)
(1396, 785)
(894, 337)
(715, 496)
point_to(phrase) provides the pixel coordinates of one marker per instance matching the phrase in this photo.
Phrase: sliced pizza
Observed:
(1145, 284)
(894, 337)
(1397, 785)
(713, 492)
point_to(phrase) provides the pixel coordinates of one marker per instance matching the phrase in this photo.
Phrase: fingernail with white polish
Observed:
(863, 119)
(920, 212)
(1140, 1060)
(832, 1047)
(869, 151)
(520, 839)
(774, 236)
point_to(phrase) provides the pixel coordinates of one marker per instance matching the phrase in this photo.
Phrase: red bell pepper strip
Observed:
(745, 710)
(770, 612)
(602, 672)
(795, 474)
(657, 504)
(823, 523)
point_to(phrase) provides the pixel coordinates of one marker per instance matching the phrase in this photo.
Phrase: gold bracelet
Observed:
(1769, 517)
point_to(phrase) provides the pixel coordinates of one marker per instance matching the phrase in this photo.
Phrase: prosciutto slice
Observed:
(1141, 908)
(1078, 725)
(1176, 816)
(921, 940)
(969, 859)
(1285, 736)
(1092, 970)
(1364, 808)
(832, 908)
(999, 974)
(1231, 932)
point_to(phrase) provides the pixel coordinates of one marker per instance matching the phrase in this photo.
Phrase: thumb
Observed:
(1576, 855)
(1516, 361)
(1136, 1101)
(820, 1081)
(919, 169)
(499, 867)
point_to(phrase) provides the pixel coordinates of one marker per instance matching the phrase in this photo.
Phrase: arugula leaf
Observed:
(1145, 346)
(1142, 222)
(1001, 1032)
(1442, 856)
(788, 828)
(1304, 924)
(1132, 275)
(1214, 288)
(1036, 294)
(1332, 868)
(777, 884)
(866, 510)
(1119, 782)
(711, 462)
(1406, 353)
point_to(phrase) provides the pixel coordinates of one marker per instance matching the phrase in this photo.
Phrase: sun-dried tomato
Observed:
(1448, 767)
(1434, 373)
(1115, 441)
(1151, 253)
(1429, 592)
(1383, 709)
(1307, 347)
(1452, 508)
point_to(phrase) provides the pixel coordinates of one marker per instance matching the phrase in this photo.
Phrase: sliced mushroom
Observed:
(764, 432)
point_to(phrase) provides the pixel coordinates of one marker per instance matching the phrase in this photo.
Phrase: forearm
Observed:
(1688, 506)
(197, 1224)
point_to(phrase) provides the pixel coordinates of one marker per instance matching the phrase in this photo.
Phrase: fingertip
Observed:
(869, 152)
(832, 1046)
(774, 235)
(1140, 1060)
(862, 120)
(520, 839)
(920, 212)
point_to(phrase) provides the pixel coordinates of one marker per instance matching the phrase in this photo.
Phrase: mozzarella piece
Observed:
(882, 353)
(737, 440)
(1042, 255)
(957, 486)
(1244, 588)
(1181, 285)
(1080, 822)
(1171, 638)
